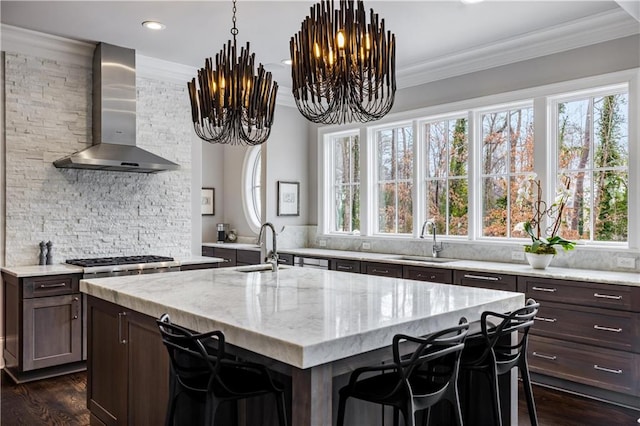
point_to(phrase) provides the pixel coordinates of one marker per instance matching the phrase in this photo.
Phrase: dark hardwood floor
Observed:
(62, 401)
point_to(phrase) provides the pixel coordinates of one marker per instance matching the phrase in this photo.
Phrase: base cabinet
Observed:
(43, 326)
(125, 355)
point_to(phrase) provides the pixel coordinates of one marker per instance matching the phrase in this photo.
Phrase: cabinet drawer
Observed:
(50, 285)
(485, 280)
(285, 259)
(602, 368)
(611, 296)
(382, 269)
(229, 256)
(345, 265)
(599, 327)
(247, 257)
(436, 275)
(207, 251)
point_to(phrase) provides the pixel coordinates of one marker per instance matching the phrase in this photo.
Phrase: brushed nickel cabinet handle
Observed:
(606, 296)
(52, 285)
(120, 338)
(607, 370)
(548, 290)
(431, 277)
(482, 277)
(382, 271)
(345, 268)
(550, 357)
(614, 330)
(545, 319)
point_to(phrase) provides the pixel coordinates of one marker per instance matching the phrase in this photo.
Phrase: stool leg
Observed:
(493, 378)
(280, 405)
(528, 392)
(341, 408)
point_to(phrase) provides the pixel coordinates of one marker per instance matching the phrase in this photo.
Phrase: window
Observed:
(394, 149)
(346, 183)
(252, 179)
(506, 159)
(593, 152)
(446, 170)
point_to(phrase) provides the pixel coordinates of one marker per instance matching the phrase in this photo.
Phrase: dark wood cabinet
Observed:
(285, 259)
(490, 280)
(232, 256)
(586, 334)
(229, 256)
(207, 251)
(247, 257)
(421, 273)
(381, 269)
(43, 326)
(345, 265)
(125, 355)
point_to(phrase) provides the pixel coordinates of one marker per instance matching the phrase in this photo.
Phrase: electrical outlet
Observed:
(366, 246)
(322, 243)
(517, 255)
(626, 262)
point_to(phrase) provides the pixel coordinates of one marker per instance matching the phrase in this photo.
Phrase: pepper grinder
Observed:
(42, 253)
(49, 253)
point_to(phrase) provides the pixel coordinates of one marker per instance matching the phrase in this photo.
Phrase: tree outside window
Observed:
(507, 159)
(447, 185)
(593, 150)
(346, 178)
(394, 148)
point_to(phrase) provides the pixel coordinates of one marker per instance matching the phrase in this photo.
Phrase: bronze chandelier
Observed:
(343, 68)
(233, 105)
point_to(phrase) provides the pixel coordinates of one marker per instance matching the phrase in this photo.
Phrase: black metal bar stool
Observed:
(201, 369)
(414, 382)
(487, 352)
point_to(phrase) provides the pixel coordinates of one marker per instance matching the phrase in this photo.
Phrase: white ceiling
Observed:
(429, 34)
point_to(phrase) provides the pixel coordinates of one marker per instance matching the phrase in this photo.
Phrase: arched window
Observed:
(252, 172)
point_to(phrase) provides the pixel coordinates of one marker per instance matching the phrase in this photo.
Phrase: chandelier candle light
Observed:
(343, 68)
(233, 105)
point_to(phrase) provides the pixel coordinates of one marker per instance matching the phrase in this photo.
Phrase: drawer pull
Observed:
(382, 271)
(545, 319)
(608, 370)
(606, 296)
(482, 277)
(551, 357)
(431, 277)
(53, 285)
(614, 330)
(121, 339)
(344, 268)
(548, 290)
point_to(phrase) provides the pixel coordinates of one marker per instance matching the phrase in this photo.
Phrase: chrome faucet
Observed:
(437, 247)
(272, 256)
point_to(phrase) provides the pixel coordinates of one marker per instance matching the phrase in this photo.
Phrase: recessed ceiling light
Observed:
(286, 61)
(154, 25)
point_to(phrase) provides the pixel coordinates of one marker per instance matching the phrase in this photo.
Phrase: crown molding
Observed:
(579, 33)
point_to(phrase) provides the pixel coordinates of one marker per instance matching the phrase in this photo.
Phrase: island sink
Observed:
(262, 267)
(423, 259)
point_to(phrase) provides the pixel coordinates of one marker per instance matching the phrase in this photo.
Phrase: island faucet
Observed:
(437, 247)
(272, 256)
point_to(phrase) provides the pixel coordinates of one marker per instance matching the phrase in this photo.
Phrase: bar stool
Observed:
(201, 370)
(491, 352)
(413, 382)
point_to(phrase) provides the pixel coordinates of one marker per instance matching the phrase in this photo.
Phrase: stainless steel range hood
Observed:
(114, 119)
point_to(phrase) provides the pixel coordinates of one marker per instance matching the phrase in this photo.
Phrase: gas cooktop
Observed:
(122, 260)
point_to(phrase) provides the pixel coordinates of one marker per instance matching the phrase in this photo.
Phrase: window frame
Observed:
(331, 168)
(251, 203)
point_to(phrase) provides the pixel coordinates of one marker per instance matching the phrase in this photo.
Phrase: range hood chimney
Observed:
(114, 119)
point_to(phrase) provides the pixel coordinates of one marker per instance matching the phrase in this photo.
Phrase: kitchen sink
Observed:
(262, 267)
(424, 259)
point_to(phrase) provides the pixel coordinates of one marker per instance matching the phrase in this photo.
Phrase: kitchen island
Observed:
(313, 326)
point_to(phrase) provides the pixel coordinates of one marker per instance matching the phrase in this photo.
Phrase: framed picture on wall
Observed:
(208, 203)
(288, 198)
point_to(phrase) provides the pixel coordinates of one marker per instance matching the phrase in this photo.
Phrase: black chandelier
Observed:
(343, 68)
(233, 104)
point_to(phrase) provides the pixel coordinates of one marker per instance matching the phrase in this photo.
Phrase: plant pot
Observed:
(539, 261)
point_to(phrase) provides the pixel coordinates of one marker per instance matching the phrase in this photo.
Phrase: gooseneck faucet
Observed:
(437, 247)
(272, 256)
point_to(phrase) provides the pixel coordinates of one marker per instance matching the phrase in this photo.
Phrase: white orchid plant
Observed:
(544, 244)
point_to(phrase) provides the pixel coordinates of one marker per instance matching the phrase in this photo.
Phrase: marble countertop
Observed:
(300, 316)
(63, 268)
(606, 277)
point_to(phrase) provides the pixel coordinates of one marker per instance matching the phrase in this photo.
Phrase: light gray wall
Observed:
(602, 58)
(90, 213)
(212, 163)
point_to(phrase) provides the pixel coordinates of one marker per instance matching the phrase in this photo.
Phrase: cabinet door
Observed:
(107, 362)
(420, 273)
(207, 251)
(247, 257)
(285, 259)
(148, 367)
(485, 280)
(52, 331)
(229, 256)
(345, 265)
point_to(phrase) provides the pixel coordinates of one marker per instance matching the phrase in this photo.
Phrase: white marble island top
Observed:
(300, 316)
